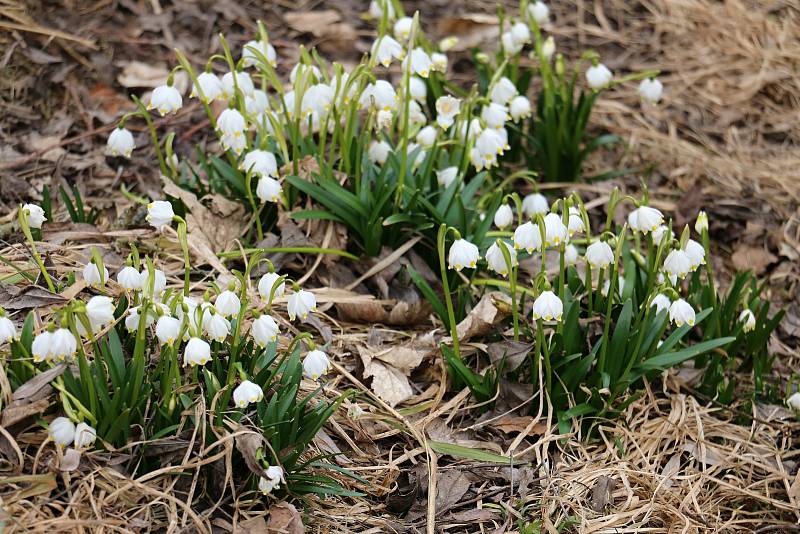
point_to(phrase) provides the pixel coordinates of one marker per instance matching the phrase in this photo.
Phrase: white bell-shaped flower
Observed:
(495, 115)
(539, 12)
(528, 237)
(427, 136)
(660, 232)
(447, 108)
(91, 275)
(215, 325)
(520, 33)
(274, 473)
(35, 215)
(100, 311)
(462, 254)
(251, 50)
(159, 282)
(496, 259)
(240, 79)
(132, 319)
(379, 94)
(421, 62)
(575, 225)
(197, 352)
(598, 76)
(120, 143)
(246, 393)
(570, 255)
(63, 345)
(129, 278)
(316, 364)
(402, 28)
(503, 91)
(228, 304)
(645, 219)
(209, 86)
(446, 176)
(793, 401)
(85, 436)
(548, 307)
(748, 320)
(167, 329)
(489, 144)
(41, 347)
(260, 163)
(378, 152)
(62, 431)
(264, 330)
(504, 216)
(417, 88)
(599, 255)
(231, 122)
(520, 108)
(165, 99)
(309, 72)
(695, 252)
(681, 312)
(650, 89)
(268, 190)
(555, 230)
(267, 282)
(385, 49)
(701, 224)
(510, 46)
(439, 61)
(159, 213)
(8, 332)
(300, 304)
(661, 302)
(677, 263)
(535, 204)
(257, 103)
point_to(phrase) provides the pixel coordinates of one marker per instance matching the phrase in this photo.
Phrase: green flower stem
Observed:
(512, 277)
(548, 372)
(298, 250)
(184, 241)
(451, 317)
(248, 181)
(162, 163)
(588, 286)
(505, 285)
(612, 283)
(710, 273)
(200, 96)
(26, 229)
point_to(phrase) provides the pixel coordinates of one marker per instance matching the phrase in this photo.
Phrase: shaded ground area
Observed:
(724, 140)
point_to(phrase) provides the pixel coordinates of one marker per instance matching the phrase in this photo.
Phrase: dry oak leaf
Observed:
(284, 519)
(490, 310)
(755, 258)
(326, 24)
(389, 368)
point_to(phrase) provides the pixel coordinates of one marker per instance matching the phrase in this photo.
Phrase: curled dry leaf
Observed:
(139, 74)
(284, 519)
(451, 488)
(248, 444)
(70, 461)
(15, 414)
(511, 353)
(492, 308)
(601, 493)
(389, 369)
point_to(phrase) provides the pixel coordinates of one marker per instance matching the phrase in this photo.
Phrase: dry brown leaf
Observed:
(326, 25)
(476, 515)
(16, 298)
(601, 493)
(284, 519)
(511, 353)
(490, 310)
(389, 368)
(512, 424)
(256, 525)
(15, 414)
(137, 74)
(35, 384)
(70, 461)
(473, 30)
(451, 488)
(756, 258)
(248, 444)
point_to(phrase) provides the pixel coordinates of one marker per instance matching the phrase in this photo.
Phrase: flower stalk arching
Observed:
(612, 281)
(451, 316)
(162, 163)
(512, 278)
(183, 238)
(22, 216)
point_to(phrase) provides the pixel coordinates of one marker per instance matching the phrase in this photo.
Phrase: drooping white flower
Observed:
(264, 330)
(197, 352)
(793, 401)
(402, 28)
(419, 158)
(167, 329)
(496, 259)
(379, 152)
(548, 306)
(231, 122)
(701, 225)
(599, 255)
(570, 255)
(383, 120)
(439, 61)
(215, 325)
(316, 364)
(8, 332)
(463, 254)
(661, 302)
(165, 99)
(246, 393)
(209, 85)
(257, 103)
(159, 282)
(490, 145)
(447, 108)
(495, 115)
(504, 216)
(379, 94)
(228, 304)
(555, 231)
(385, 49)
(300, 304)
(748, 320)
(681, 312)
(120, 143)
(650, 89)
(660, 232)
(100, 311)
(159, 213)
(539, 12)
(520, 33)
(645, 219)
(268, 189)
(549, 48)
(520, 108)
(274, 478)
(575, 225)
(421, 63)
(417, 88)
(41, 346)
(250, 58)
(528, 236)
(129, 278)
(503, 91)
(696, 253)
(234, 143)
(301, 70)
(598, 76)
(535, 204)
(510, 46)
(132, 319)
(62, 431)
(85, 436)
(446, 176)
(35, 215)
(260, 163)
(63, 345)
(267, 282)
(91, 275)
(427, 136)
(677, 264)
(448, 43)
(240, 79)
(376, 8)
